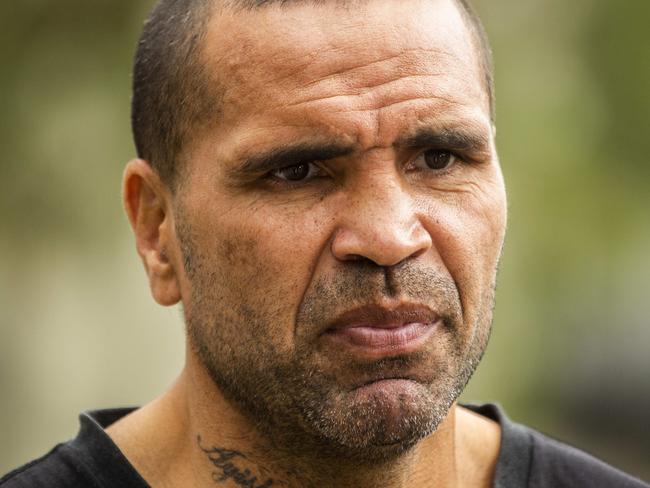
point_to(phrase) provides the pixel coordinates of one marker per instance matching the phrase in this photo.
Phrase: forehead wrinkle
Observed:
(395, 104)
(277, 71)
(377, 85)
(387, 97)
(377, 129)
(367, 91)
(403, 56)
(321, 40)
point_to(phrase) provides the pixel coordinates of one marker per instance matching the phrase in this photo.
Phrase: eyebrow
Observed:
(290, 155)
(456, 139)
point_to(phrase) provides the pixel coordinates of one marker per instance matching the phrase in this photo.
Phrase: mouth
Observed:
(375, 331)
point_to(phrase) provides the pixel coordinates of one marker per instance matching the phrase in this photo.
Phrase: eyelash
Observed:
(455, 160)
(273, 175)
(313, 168)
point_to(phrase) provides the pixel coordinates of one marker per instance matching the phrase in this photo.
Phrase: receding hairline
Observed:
(471, 20)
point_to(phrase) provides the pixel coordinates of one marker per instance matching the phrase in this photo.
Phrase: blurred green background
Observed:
(570, 348)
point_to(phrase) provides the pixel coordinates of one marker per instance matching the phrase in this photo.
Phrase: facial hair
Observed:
(303, 400)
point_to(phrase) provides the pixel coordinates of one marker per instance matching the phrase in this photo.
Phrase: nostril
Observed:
(417, 253)
(359, 259)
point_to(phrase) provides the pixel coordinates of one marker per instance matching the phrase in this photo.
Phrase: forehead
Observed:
(362, 70)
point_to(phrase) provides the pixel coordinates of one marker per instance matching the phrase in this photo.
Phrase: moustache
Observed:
(359, 284)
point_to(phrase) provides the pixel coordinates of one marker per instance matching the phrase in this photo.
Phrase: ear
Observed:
(147, 202)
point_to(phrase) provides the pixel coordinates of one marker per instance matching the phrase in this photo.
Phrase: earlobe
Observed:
(147, 202)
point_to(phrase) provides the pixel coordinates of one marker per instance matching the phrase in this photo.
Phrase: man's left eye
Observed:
(435, 159)
(296, 172)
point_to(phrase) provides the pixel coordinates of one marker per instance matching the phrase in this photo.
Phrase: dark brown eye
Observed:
(436, 159)
(297, 172)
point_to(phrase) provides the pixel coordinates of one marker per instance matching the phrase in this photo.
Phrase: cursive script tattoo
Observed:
(223, 460)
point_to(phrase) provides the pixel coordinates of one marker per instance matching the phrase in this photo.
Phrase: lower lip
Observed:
(385, 341)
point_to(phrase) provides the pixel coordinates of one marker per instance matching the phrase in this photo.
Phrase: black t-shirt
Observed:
(527, 459)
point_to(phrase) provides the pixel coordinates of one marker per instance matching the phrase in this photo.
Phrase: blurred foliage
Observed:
(569, 348)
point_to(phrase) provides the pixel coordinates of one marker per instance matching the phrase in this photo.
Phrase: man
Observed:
(318, 184)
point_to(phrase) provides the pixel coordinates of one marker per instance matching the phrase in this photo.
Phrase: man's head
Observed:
(341, 180)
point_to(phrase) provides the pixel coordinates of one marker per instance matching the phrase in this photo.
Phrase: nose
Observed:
(380, 224)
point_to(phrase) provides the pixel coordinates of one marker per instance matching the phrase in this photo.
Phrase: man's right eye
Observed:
(296, 172)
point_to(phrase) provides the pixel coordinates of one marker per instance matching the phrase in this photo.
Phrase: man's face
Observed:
(342, 222)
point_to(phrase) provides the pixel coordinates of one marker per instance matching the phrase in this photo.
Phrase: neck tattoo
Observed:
(224, 462)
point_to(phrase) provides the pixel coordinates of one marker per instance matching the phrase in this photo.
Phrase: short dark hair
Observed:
(173, 92)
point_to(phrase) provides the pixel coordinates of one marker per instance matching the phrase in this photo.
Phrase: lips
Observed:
(382, 331)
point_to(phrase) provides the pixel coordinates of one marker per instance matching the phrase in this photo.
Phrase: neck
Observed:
(206, 440)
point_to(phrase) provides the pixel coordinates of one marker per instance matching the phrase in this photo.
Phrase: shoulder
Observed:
(90, 460)
(57, 468)
(528, 458)
(555, 463)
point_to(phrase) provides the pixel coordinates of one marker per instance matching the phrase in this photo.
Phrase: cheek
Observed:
(468, 229)
(266, 261)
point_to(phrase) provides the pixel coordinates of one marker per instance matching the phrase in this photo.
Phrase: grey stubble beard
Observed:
(291, 401)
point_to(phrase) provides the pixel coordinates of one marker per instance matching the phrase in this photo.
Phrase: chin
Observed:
(379, 420)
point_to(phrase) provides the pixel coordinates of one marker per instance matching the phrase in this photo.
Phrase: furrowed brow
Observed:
(455, 139)
(288, 155)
